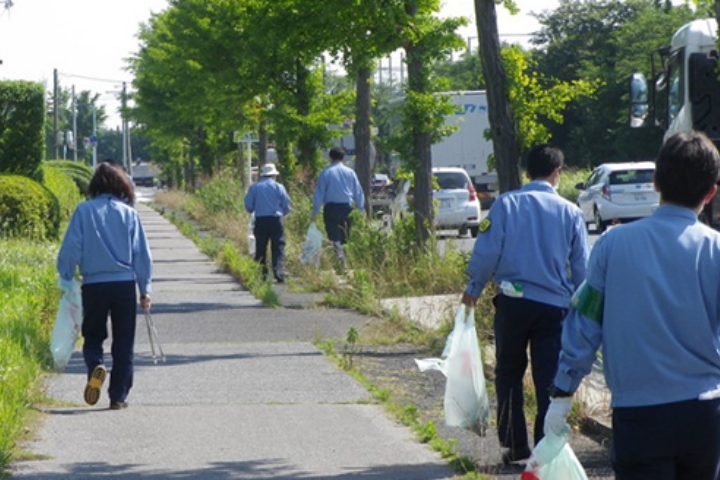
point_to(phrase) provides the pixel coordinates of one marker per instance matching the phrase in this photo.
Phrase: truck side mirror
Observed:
(638, 100)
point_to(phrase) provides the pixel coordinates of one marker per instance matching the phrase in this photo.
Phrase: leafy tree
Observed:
(22, 110)
(366, 30)
(426, 39)
(465, 74)
(604, 41)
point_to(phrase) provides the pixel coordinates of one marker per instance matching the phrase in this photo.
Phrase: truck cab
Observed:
(686, 91)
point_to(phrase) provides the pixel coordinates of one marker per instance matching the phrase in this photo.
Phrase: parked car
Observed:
(618, 193)
(458, 206)
(382, 191)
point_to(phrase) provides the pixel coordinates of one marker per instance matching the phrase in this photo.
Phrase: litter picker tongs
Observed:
(154, 338)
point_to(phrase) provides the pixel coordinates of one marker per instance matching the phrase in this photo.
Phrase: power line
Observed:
(94, 79)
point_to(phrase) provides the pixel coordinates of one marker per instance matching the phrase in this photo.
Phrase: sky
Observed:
(87, 41)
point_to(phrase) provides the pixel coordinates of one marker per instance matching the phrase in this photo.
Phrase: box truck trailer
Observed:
(467, 147)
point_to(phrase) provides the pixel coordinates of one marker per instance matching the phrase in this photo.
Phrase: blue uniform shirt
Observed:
(534, 239)
(267, 198)
(106, 239)
(338, 184)
(652, 299)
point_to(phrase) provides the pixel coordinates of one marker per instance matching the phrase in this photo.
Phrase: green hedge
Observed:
(27, 209)
(78, 171)
(22, 117)
(64, 189)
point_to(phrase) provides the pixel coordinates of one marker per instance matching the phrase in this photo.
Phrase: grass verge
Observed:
(28, 302)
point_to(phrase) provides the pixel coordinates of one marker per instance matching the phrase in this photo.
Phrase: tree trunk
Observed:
(305, 141)
(262, 143)
(502, 122)
(418, 82)
(363, 166)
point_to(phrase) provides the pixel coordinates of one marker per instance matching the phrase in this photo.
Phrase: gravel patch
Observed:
(393, 368)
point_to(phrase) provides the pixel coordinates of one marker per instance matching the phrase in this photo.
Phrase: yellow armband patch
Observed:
(590, 302)
(484, 225)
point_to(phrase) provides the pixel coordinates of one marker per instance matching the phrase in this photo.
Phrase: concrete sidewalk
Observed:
(243, 394)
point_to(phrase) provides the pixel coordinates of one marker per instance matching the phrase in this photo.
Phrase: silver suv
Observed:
(458, 207)
(618, 193)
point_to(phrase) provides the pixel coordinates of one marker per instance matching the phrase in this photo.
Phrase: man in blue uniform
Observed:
(269, 201)
(535, 243)
(338, 190)
(652, 300)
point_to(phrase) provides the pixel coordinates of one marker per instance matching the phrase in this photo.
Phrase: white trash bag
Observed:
(68, 322)
(311, 250)
(466, 402)
(553, 459)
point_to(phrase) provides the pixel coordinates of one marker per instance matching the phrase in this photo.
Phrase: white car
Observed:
(617, 193)
(458, 207)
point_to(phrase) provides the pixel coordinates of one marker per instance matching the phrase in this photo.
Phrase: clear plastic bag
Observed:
(553, 459)
(68, 322)
(311, 250)
(466, 402)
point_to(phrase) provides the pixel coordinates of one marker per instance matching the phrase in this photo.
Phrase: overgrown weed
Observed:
(28, 302)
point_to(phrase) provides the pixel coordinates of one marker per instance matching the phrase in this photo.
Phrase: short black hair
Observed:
(336, 153)
(543, 160)
(687, 167)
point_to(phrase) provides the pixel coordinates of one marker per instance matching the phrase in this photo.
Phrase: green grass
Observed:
(28, 301)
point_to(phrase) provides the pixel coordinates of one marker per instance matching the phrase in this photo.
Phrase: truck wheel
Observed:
(474, 231)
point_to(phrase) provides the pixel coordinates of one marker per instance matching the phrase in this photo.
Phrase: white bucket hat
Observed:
(269, 170)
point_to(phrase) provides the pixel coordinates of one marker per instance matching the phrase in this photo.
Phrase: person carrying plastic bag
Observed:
(651, 303)
(105, 240)
(466, 402)
(533, 246)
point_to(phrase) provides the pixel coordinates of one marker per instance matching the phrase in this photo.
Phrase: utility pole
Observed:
(123, 101)
(56, 108)
(74, 125)
(93, 139)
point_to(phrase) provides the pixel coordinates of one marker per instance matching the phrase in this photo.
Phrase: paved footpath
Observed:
(243, 394)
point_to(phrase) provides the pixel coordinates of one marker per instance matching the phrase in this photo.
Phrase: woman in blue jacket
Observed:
(106, 241)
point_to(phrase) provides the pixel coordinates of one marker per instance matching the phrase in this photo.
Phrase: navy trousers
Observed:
(518, 323)
(270, 230)
(337, 221)
(119, 300)
(672, 441)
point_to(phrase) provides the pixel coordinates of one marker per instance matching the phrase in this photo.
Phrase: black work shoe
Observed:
(94, 385)
(515, 455)
(118, 405)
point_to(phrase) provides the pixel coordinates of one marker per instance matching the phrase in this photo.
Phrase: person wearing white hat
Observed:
(269, 201)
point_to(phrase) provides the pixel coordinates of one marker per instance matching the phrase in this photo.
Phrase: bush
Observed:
(78, 171)
(64, 189)
(27, 209)
(224, 194)
(569, 178)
